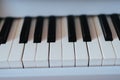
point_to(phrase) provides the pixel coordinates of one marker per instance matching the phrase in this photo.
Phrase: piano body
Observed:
(34, 8)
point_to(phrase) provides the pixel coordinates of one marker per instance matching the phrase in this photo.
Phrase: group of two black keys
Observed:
(52, 28)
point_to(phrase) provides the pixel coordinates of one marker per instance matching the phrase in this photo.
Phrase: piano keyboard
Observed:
(71, 41)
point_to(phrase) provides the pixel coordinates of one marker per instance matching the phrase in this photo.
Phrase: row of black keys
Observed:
(52, 28)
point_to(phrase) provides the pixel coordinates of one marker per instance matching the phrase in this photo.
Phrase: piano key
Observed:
(42, 50)
(1, 24)
(85, 28)
(105, 28)
(6, 29)
(51, 29)
(55, 54)
(95, 55)
(0, 19)
(30, 48)
(71, 29)
(116, 22)
(80, 46)
(5, 48)
(38, 30)
(115, 42)
(25, 30)
(106, 47)
(16, 52)
(68, 57)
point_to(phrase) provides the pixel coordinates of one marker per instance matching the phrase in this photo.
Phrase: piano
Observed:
(59, 39)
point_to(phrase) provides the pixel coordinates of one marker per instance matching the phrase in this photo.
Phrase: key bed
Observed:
(71, 41)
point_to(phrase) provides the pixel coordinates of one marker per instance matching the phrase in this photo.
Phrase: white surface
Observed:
(79, 73)
(16, 52)
(81, 53)
(5, 48)
(43, 48)
(106, 46)
(30, 48)
(95, 55)
(22, 8)
(55, 55)
(68, 57)
(115, 42)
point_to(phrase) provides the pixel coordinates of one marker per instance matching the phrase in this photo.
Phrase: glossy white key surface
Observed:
(30, 48)
(5, 48)
(55, 54)
(81, 53)
(115, 42)
(68, 57)
(106, 46)
(95, 56)
(41, 57)
(17, 48)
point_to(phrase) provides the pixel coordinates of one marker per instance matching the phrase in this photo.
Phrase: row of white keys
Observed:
(115, 42)
(30, 48)
(106, 46)
(5, 48)
(17, 48)
(42, 50)
(55, 54)
(68, 56)
(95, 56)
(80, 46)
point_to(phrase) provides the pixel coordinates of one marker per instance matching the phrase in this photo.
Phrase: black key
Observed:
(38, 30)
(116, 22)
(85, 28)
(6, 29)
(0, 19)
(25, 30)
(105, 28)
(71, 29)
(51, 29)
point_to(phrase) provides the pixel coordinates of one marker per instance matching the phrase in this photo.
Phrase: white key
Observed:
(95, 55)
(5, 48)
(106, 46)
(68, 58)
(115, 42)
(30, 48)
(17, 48)
(42, 48)
(55, 48)
(80, 46)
